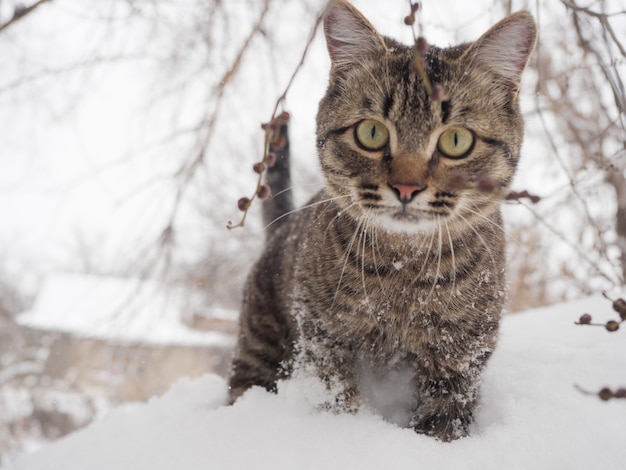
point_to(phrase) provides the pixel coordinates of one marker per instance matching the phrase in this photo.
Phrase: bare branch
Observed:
(188, 169)
(274, 123)
(20, 12)
(604, 20)
(614, 81)
(75, 67)
(577, 249)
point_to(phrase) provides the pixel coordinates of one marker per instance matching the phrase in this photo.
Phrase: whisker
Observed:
(427, 257)
(522, 246)
(452, 89)
(363, 243)
(437, 272)
(485, 218)
(367, 68)
(307, 206)
(376, 249)
(483, 242)
(337, 216)
(345, 263)
(453, 273)
(293, 188)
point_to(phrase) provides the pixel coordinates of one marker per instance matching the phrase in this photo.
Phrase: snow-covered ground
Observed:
(531, 416)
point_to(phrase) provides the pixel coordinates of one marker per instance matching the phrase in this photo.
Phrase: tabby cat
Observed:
(397, 265)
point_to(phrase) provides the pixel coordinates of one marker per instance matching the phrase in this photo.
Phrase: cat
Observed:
(398, 264)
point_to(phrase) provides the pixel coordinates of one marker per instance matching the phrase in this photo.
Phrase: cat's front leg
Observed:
(333, 363)
(445, 406)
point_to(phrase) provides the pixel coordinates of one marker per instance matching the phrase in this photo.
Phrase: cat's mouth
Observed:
(408, 217)
(415, 215)
(410, 220)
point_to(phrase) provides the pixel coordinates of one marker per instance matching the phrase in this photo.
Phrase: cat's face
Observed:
(408, 162)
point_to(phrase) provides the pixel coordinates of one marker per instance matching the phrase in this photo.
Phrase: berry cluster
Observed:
(410, 20)
(419, 66)
(274, 143)
(619, 306)
(605, 393)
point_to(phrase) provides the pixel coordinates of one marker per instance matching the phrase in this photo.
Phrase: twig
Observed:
(272, 129)
(601, 243)
(605, 393)
(78, 66)
(421, 46)
(309, 41)
(603, 18)
(188, 170)
(577, 249)
(619, 306)
(20, 12)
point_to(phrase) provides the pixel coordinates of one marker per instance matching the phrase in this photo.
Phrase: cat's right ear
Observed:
(504, 50)
(349, 36)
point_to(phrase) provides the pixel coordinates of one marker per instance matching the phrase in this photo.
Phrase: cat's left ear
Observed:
(505, 48)
(349, 36)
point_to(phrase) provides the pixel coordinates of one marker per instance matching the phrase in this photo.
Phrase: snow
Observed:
(530, 416)
(120, 310)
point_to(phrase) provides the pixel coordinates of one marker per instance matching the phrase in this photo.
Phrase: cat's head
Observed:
(408, 161)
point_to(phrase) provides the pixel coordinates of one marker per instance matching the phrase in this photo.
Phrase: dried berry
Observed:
(263, 192)
(605, 394)
(612, 326)
(459, 179)
(415, 7)
(259, 167)
(268, 126)
(422, 45)
(439, 93)
(278, 142)
(585, 319)
(243, 204)
(486, 184)
(620, 393)
(409, 20)
(270, 160)
(418, 65)
(620, 307)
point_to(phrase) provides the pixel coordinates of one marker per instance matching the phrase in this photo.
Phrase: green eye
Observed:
(371, 134)
(455, 142)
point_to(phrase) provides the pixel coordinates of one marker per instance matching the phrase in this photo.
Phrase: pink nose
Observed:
(406, 192)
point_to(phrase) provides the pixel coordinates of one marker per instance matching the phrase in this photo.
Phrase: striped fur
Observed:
(360, 279)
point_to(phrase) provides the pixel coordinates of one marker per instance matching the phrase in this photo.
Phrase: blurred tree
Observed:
(579, 105)
(200, 54)
(19, 11)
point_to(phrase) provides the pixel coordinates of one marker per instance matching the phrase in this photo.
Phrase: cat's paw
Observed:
(345, 402)
(327, 394)
(442, 427)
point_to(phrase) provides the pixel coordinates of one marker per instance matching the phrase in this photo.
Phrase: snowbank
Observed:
(531, 416)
